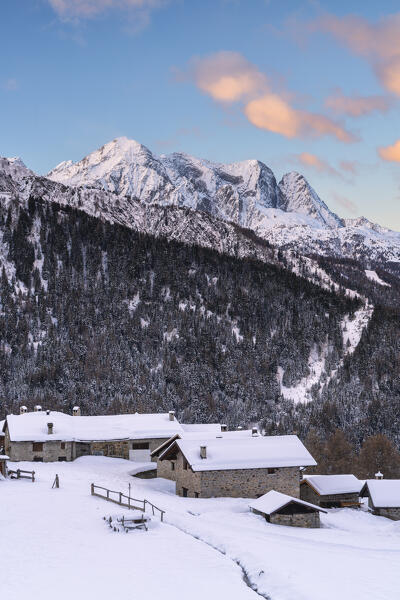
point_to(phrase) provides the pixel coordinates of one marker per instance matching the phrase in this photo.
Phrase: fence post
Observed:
(120, 497)
(33, 476)
(18, 473)
(108, 494)
(129, 502)
(92, 489)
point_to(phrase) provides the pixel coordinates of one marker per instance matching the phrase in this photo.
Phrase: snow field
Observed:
(54, 544)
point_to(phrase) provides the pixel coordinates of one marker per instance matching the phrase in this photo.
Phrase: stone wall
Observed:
(116, 448)
(52, 451)
(390, 513)
(186, 478)
(297, 520)
(164, 469)
(235, 483)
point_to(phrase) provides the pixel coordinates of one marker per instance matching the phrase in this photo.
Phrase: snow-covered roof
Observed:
(326, 485)
(4, 457)
(273, 501)
(32, 426)
(202, 433)
(384, 493)
(227, 452)
(201, 427)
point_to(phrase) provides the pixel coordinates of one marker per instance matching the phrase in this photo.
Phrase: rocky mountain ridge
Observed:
(288, 214)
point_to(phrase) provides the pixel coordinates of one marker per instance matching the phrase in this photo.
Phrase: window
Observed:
(38, 459)
(184, 492)
(140, 446)
(271, 471)
(62, 445)
(172, 466)
(185, 465)
(37, 446)
(62, 458)
(196, 494)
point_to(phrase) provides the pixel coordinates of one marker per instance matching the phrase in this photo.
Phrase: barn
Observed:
(281, 509)
(330, 491)
(383, 497)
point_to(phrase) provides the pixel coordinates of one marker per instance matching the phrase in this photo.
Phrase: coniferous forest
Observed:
(97, 315)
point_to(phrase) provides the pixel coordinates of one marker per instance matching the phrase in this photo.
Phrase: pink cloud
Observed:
(307, 159)
(378, 42)
(228, 77)
(356, 106)
(390, 153)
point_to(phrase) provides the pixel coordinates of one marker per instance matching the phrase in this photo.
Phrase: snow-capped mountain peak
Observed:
(290, 215)
(300, 197)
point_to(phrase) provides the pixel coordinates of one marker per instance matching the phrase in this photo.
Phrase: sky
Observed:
(305, 85)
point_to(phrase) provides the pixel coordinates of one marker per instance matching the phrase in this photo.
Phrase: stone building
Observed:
(383, 497)
(331, 491)
(45, 436)
(3, 465)
(237, 466)
(281, 509)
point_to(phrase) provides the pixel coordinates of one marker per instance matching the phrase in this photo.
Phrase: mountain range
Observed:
(288, 214)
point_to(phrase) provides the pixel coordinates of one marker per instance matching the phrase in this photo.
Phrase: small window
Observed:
(185, 465)
(62, 458)
(62, 445)
(140, 446)
(38, 459)
(271, 471)
(37, 446)
(184, 492)
(172, 466)
(196, 494)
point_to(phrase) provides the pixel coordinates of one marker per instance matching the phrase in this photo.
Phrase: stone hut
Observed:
(3, 465)
(383, 497)
(330, 491)
(45, 436)
(237, 466)
(281, 509)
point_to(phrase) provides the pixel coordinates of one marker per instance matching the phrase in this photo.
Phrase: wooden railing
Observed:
(124, 500)
(21, 474)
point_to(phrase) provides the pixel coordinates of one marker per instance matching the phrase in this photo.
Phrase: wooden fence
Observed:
(124, 500)
(21, 474)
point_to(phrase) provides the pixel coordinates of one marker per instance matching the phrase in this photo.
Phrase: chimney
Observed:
(378, 475)
(76, 411)
(203, 451)
(254, 431)
(49, 428)
(224, 427)
(47, 412)
(37, 408)
(171, 415)
(22, 410)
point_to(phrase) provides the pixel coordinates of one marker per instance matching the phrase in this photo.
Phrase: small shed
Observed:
(3, 464)
(383, 497)
(282, 509)
(331, 491)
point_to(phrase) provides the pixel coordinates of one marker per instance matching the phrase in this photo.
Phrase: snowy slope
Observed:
(206, 548)
(289, 214)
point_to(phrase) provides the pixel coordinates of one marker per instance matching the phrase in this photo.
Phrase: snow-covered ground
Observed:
(55, 544)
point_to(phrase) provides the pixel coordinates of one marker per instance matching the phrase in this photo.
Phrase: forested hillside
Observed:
(98, 315)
